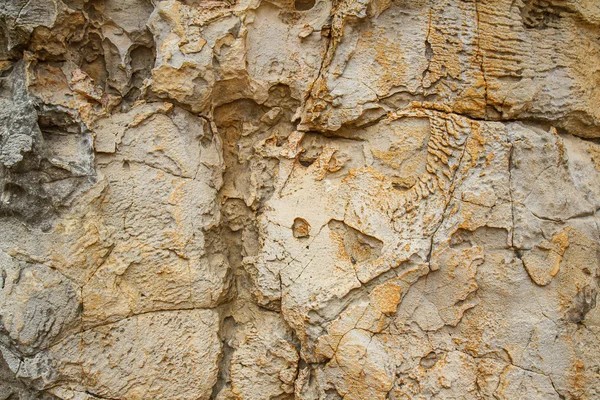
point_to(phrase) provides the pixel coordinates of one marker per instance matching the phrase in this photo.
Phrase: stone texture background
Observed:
(299, 199)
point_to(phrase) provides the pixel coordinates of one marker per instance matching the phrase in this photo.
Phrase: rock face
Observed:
(299, 199)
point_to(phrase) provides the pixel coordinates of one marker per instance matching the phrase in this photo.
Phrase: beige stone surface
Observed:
(299, 199)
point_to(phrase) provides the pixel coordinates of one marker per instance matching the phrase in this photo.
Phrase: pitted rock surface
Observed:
(299, 199)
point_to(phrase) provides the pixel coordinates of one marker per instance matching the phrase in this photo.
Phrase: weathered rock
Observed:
(161, 354)
(299, 199)
(39, 305)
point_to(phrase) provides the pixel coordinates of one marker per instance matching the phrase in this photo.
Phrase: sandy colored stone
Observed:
(299, 199)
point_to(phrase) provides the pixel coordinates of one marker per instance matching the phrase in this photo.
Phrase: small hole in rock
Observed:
(304, 5)
(306, 162)
(403, 184)
(301, 228)
(400, 187)
(429, 360)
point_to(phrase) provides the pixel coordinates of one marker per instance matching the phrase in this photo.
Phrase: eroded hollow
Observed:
(304, 5)
(359, 247)
(301, 228)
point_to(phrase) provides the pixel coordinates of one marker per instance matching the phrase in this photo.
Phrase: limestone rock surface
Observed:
(299, 199)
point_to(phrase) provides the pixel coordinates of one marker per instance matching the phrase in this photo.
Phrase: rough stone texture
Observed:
(299, 199)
